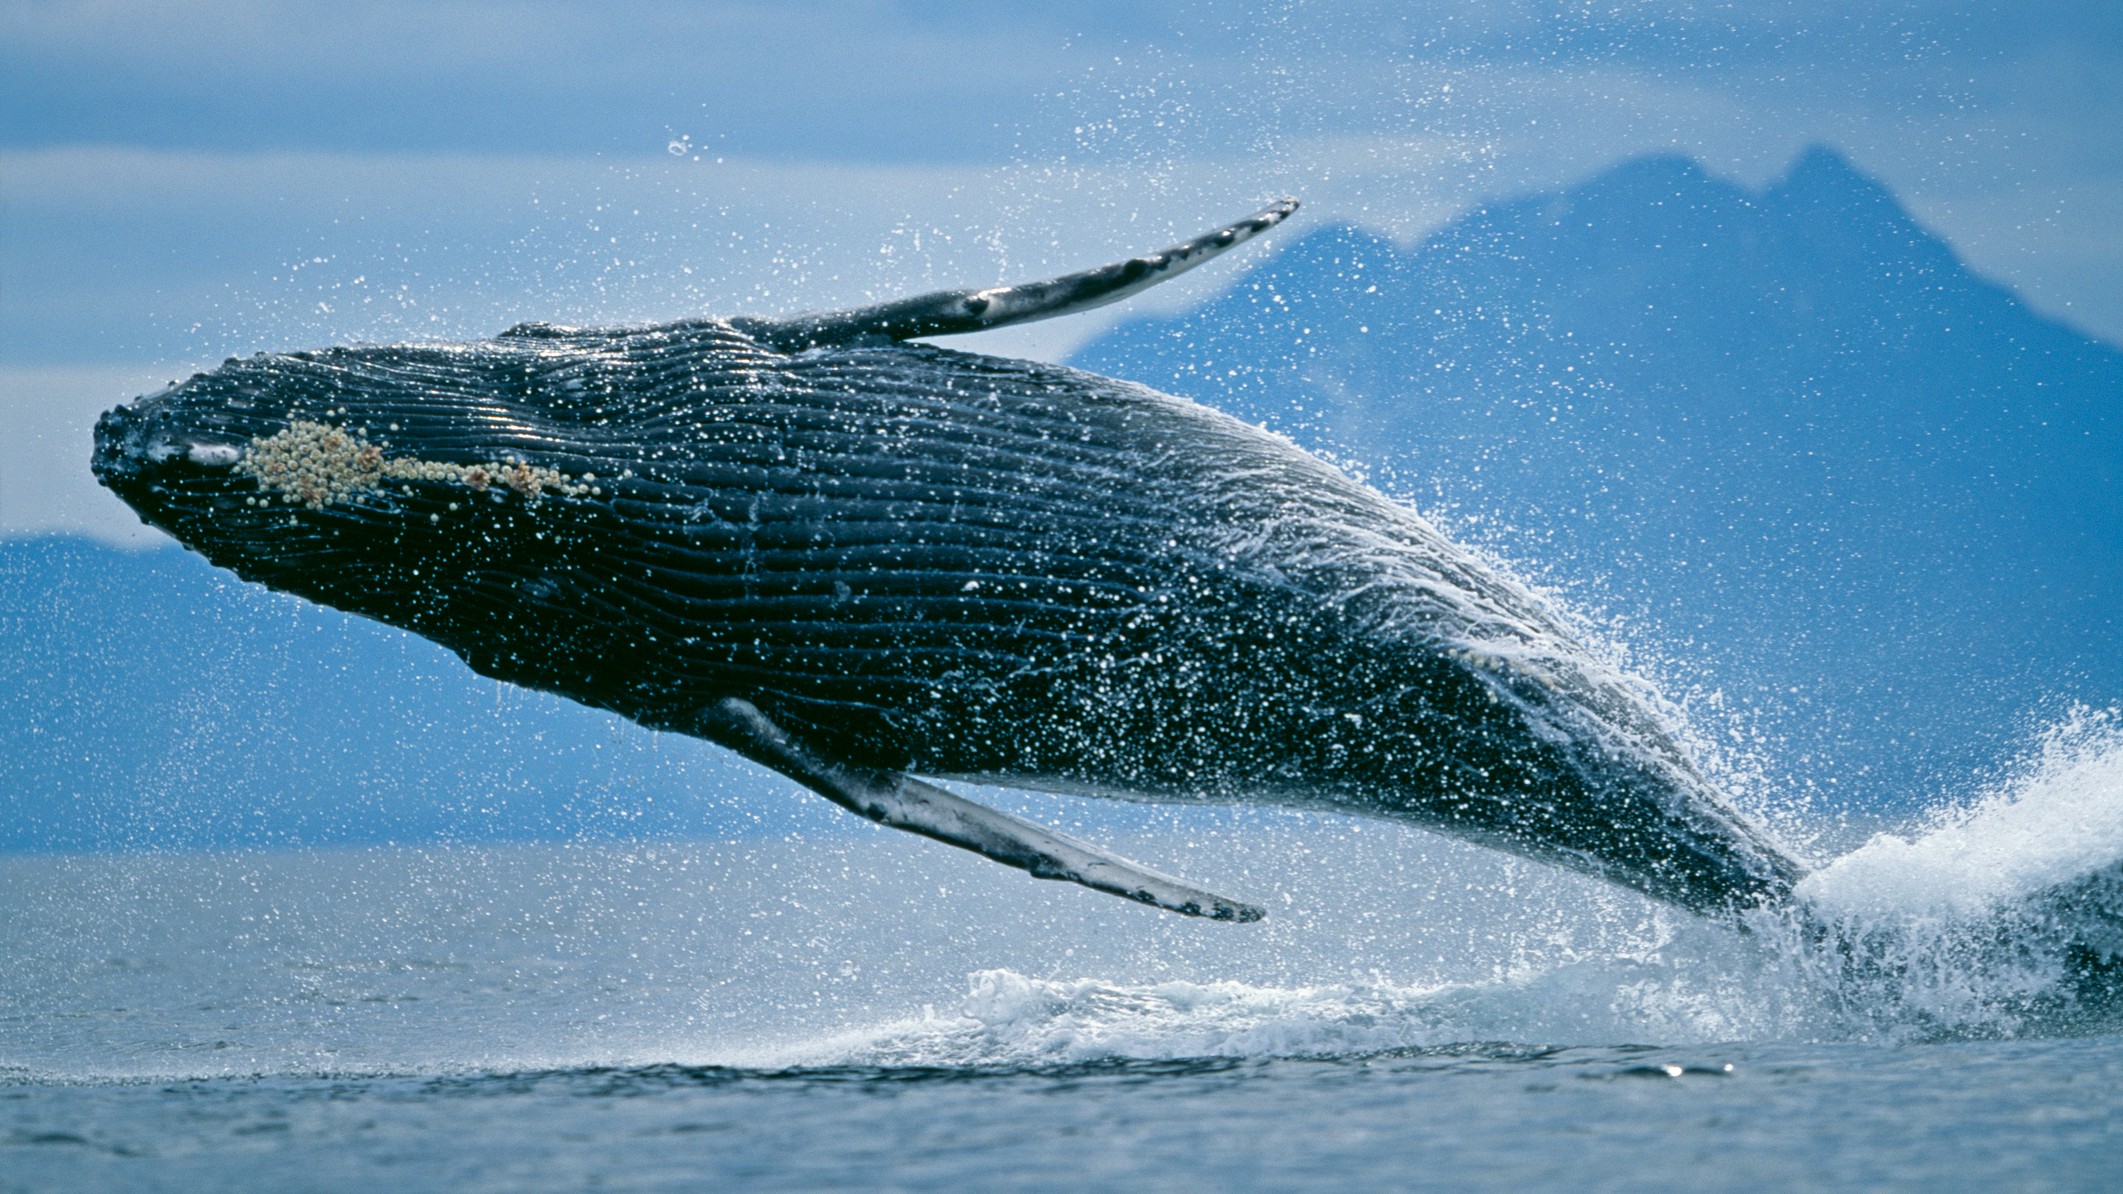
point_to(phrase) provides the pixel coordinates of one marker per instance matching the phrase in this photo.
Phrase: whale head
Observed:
(387, 481)
(181, 457)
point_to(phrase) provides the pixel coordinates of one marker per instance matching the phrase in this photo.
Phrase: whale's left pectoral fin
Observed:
(955, 312)
(903, 802)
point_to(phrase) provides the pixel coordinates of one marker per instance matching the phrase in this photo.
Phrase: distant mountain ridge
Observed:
(1818, 463)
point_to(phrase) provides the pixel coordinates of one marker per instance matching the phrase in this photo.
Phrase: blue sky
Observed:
(184, 180)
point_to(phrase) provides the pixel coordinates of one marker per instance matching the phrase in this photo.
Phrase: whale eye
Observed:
(213, 455)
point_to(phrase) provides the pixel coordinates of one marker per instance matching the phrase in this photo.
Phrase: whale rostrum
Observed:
(868, 563)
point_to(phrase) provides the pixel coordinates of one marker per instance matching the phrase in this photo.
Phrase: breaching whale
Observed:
(859, 560)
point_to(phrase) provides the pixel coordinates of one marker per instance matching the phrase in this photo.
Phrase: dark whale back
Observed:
(957, 565)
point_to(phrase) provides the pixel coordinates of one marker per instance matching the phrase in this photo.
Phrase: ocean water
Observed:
(868, 1010)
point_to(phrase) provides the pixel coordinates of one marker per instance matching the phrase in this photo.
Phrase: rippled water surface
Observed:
(2025, 1115)
(869, 1011)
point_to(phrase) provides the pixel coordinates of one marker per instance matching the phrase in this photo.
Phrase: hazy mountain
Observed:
(1810, 459)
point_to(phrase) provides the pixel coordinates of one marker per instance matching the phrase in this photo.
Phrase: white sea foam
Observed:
(1979, 924)
(2057, 822)
(1006, 1018)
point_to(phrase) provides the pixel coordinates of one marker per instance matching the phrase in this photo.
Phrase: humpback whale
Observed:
(876, 565)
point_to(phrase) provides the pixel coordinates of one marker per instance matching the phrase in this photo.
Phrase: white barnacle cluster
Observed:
(315, 464)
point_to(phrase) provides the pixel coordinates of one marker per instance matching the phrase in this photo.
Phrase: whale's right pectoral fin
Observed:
(954, 312)
(903, 802)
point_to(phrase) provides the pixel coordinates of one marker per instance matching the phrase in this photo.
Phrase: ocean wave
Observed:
(2054, 823)
(1009, 1019)
(2000, 918)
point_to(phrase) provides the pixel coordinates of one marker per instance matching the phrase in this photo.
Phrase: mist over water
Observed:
(1995, 920)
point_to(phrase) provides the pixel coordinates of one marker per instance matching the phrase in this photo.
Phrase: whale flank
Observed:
(859, 561)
